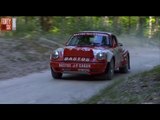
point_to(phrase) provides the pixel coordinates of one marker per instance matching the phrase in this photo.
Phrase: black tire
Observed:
(110, 70)
(56, 75)
(125, 68)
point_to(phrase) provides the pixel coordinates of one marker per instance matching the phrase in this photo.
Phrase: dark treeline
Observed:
(140, 26)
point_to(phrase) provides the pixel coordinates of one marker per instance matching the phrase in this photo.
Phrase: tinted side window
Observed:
(114, 41)
(105, 41)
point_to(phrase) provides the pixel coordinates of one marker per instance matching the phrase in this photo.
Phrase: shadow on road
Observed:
(84, 77)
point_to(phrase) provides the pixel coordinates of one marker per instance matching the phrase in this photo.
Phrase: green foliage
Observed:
(137, 89)
(63, 25)
(23, 28)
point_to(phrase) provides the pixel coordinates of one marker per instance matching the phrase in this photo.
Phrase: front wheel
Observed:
(56, 75)
(110, 70)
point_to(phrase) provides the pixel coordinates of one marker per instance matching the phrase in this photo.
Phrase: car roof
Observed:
(102, 32)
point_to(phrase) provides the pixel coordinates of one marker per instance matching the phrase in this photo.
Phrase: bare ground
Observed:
(19, 57)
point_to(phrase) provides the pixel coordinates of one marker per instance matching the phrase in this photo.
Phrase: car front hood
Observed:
(84, 51)
(87, 52)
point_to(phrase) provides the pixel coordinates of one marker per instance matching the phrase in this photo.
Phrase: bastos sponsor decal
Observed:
(77, 59)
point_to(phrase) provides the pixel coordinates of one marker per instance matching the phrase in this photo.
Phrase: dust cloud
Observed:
(136, 42)
(144, 53)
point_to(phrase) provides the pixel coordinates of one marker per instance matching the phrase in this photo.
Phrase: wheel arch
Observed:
(129, 60)
(109, 56)
(113, 57)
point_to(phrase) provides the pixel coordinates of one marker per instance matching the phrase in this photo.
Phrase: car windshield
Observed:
(89, 40)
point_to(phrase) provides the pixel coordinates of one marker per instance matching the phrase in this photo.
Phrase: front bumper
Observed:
(78, 67)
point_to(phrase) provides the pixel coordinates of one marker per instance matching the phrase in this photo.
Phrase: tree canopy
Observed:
(141, 26)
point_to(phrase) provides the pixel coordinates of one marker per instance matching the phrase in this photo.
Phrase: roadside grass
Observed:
(109, 90)
(142, 88)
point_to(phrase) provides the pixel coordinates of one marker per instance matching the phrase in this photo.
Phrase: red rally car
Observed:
(90, 52)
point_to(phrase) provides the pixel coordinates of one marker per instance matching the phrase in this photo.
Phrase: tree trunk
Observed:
(140, 26)
(26, 19)
(156, 27)
(105, 21)
(46, 23)
(116, 25)
(129, 24)
(150, 27)
(156, 24)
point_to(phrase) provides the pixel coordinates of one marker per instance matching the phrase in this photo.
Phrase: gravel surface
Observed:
(21, 57)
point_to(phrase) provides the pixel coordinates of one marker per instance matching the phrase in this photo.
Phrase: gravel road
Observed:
(41, 88)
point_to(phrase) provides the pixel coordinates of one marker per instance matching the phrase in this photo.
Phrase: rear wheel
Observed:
(110, 70)
(56, 75)
(125, 68)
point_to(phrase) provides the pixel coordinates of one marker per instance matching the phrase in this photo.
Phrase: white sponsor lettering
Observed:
(70, 58)
(64, 65)
(84, 65)
(99, 34)
(66, 58)
(80, 59)
(87, 59)
(74, 59)
(83, 59)
(75, 66)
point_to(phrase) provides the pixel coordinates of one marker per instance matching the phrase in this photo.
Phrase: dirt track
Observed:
(41, 88)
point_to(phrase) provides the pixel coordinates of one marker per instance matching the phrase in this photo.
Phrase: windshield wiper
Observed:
(96, 44)
(83, 45)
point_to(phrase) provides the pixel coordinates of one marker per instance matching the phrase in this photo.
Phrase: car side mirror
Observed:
(120, 44)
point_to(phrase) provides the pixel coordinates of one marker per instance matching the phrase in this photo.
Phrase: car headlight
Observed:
(101, 56)
(55, 55)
